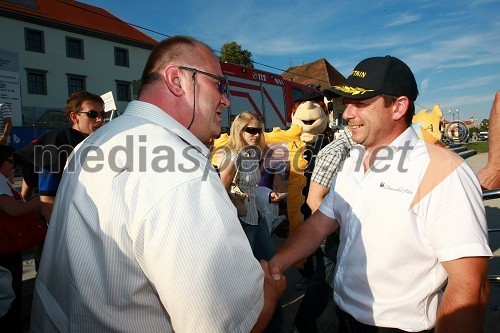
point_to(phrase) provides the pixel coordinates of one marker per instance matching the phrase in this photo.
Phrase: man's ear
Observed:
(400, 107)
(173, 80)
(73, 117)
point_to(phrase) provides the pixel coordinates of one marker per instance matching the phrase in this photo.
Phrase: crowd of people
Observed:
(144, 237)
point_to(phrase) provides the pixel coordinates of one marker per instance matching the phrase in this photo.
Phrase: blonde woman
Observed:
(246, 145)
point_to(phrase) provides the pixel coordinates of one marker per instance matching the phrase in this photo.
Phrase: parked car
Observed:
(483, 136)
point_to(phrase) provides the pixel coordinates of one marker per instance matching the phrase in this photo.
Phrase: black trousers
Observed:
(348, 324)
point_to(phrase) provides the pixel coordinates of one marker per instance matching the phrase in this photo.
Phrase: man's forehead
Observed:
(88, 104)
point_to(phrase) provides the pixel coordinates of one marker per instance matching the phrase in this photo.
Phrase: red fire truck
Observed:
(267, 94)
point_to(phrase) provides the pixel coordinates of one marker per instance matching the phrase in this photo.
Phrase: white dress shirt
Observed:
(143, 238)
(416, 207)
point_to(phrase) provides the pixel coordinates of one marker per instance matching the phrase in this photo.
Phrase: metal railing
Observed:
(489, 195)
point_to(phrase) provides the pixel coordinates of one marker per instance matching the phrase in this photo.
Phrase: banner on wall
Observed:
(10, 86)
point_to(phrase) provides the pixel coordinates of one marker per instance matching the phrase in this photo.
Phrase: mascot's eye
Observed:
(308, 122)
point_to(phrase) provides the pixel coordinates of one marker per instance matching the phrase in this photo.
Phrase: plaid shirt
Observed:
(330, 158)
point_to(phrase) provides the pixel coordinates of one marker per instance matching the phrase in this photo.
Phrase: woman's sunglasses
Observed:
(93, 114)
(252, 130)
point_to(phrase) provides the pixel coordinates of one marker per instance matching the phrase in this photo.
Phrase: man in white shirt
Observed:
(143, 237)
(410, 214)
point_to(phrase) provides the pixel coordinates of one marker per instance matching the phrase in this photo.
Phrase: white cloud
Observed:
(402, 19)
(481, 2)
(424, 84)
(473, 83)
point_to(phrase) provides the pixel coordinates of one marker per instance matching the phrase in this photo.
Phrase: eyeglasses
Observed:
(252, 130)
(93, 114)
(221, 85)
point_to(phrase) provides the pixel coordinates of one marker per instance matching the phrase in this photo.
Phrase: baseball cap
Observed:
(374, 76)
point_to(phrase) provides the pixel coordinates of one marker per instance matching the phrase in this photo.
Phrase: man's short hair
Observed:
(170, 50)
(388, 100)
(74, 103)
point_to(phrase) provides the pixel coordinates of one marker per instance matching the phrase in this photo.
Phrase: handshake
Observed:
(274, 282)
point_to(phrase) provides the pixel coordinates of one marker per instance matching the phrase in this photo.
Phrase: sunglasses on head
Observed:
(252, 130)
(93, 114)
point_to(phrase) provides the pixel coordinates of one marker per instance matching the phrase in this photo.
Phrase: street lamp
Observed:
(457, 111)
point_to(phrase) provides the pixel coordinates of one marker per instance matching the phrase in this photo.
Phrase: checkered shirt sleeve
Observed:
(330, 158)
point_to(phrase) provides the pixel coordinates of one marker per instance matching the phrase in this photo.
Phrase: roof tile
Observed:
(77, 14)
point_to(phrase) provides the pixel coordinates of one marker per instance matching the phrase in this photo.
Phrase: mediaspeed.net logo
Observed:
(163, 158)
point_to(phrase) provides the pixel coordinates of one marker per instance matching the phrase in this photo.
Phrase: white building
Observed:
(52, 48)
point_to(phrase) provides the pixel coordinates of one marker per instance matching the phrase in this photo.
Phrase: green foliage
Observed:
(233, 53)
(484, 126)
(474, 130)
(479, 146)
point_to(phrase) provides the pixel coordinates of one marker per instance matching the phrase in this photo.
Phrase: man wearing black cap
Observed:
(410, 214)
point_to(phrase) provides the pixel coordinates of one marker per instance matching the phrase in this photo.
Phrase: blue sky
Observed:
(452, 46)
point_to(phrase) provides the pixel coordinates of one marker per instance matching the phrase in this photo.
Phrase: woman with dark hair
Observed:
(12, 204)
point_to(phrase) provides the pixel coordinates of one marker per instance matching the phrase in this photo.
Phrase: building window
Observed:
(123, 91)
(74, 48)
(37, 81)
(76, 83)
(34, 40)
(121, 57)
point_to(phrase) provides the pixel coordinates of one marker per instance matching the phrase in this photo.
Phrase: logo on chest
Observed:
(396, 188)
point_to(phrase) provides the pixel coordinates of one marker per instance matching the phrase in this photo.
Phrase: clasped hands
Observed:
(273, 277)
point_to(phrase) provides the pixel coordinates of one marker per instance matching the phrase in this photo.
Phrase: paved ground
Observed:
(328, 322)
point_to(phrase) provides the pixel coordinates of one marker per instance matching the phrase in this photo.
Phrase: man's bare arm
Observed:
(489, 176)
(302, 242)
(463, 306)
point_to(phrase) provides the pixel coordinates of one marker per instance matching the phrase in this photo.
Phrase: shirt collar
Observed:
(156, 115)
(405, 141)
(408, 138)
